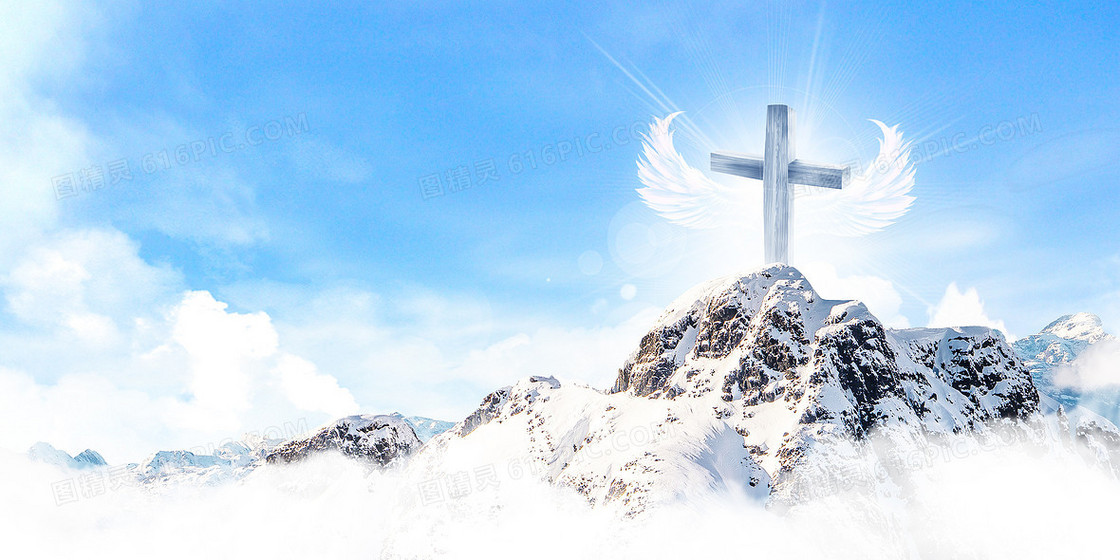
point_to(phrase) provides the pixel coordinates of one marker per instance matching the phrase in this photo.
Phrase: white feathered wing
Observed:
(684, 195)
(873, 200)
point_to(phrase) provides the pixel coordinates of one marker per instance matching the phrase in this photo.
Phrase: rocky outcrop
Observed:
(781, 388)
(379, 439)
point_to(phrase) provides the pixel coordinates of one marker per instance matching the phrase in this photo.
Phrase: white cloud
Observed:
(878, 294)
(45, 47)
(73, 274)
(311, 390)
(591, 356)
(157, 366)
(238, 372)
(101, 348)
(76, 412)
(107, 351)
(961, 309)
(437, 355)
(104, 350)
(42, 39)
(974, 506)
(1095, 368)
(221, 348)
(232, 377)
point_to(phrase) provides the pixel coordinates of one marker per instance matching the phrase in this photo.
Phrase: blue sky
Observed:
(326, 254)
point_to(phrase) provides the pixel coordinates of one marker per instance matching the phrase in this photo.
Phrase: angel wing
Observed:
(683, 194)
(875, 198)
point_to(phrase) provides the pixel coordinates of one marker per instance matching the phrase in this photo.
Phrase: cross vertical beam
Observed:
(777, 196)
(778, 169)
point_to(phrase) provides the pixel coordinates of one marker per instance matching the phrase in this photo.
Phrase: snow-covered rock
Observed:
(379, 439)
(90, 458)
(426, 428)
(46, 453)
(1079, 326)
(612, 448)
(171, 467)
(230, 461)
(806, 380)
(755, 383)
(1058, 347)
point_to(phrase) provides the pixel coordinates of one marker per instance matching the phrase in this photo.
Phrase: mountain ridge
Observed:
(784, 384)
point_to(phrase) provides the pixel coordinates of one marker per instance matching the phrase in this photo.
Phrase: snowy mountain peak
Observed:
(426, 428)
(1078, 326)
(746, 289)
(710, 320)
(1063, 346)
(785, 367)
(761, 377)
(749, 384)
(91, 458)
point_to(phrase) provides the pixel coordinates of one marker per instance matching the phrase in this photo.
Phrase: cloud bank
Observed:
(962, 309)
(1011, 503)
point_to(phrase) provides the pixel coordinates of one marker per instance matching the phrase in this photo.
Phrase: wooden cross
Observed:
(779, 168)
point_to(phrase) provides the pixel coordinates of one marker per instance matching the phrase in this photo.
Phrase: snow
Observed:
(796, 382)
(1078, 326)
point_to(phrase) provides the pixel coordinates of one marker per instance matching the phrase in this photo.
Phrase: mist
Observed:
(1009, 503)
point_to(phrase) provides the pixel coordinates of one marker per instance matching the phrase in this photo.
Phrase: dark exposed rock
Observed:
(379, 439)
(829, 366)
(865, 367)
(655, 360)
(486, 411)
(722, 326)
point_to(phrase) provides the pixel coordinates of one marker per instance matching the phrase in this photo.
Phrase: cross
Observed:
(778, 169)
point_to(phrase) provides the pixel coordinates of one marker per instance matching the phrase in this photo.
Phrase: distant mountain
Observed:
(90, 458)
(426, 428)
(46, 453)
(230, 461)
(1058, 346)
(378, 440)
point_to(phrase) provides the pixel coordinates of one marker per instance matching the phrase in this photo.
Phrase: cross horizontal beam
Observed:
(800, 172)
